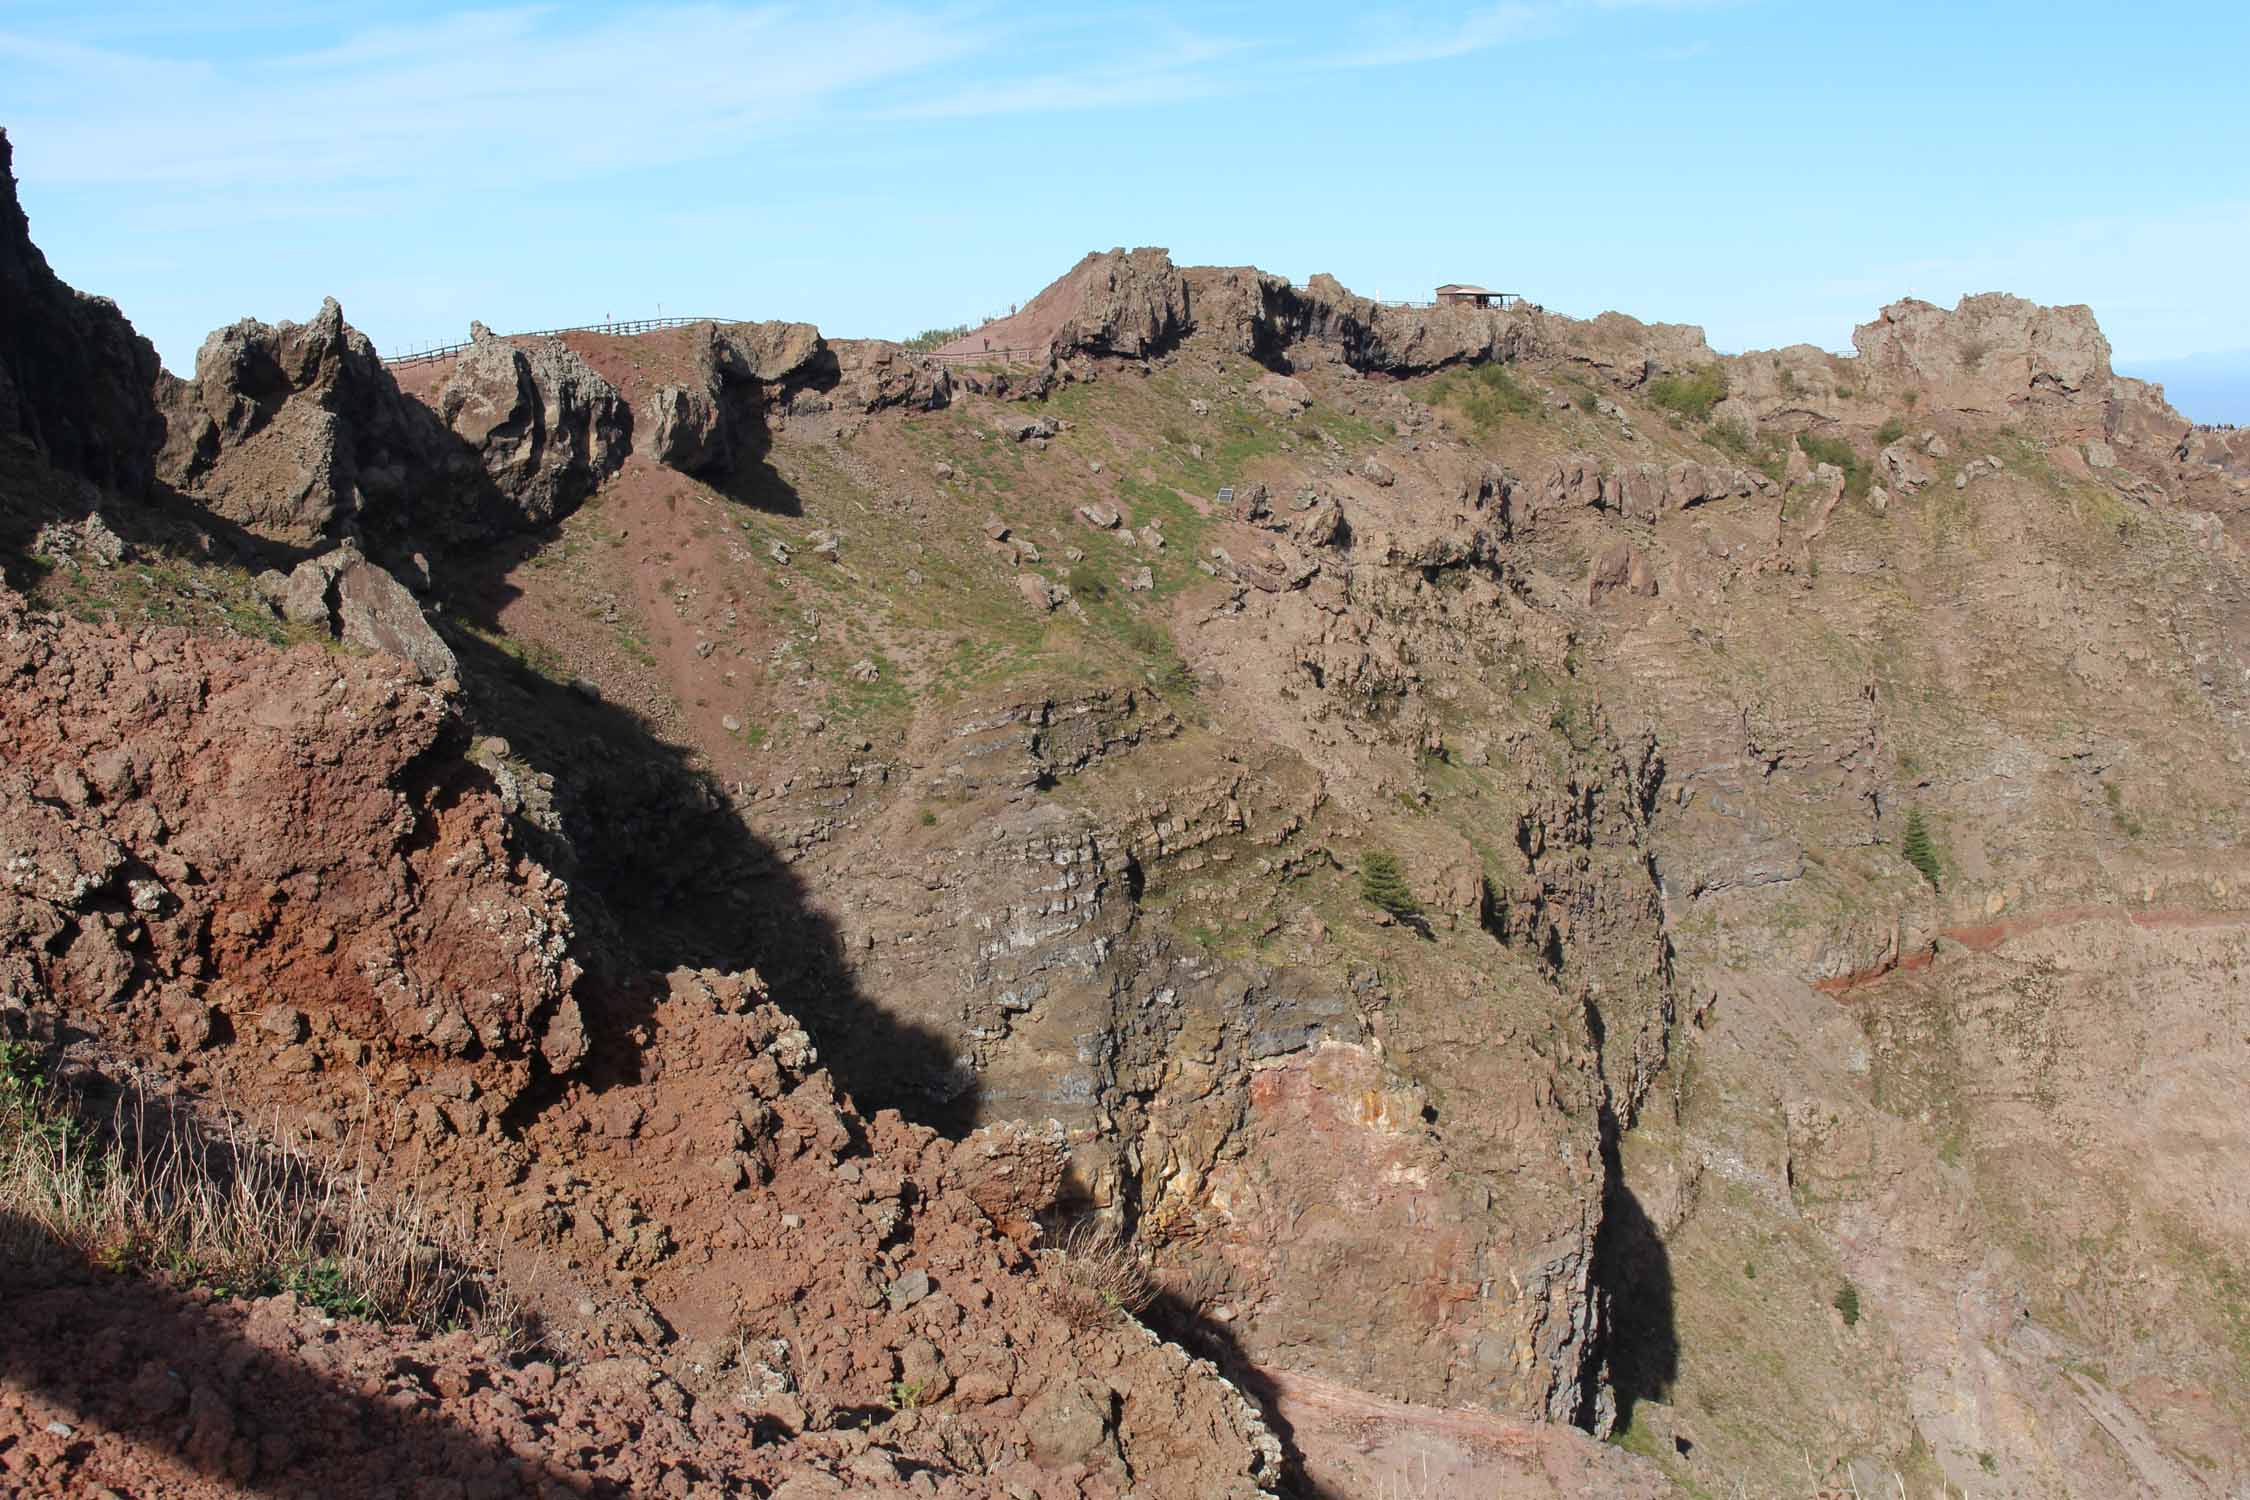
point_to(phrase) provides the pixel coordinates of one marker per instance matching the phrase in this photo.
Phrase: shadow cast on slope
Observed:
(1182, 1321)
(166, 525)
(175, 1375)
(1642, 1345)
(666, 871)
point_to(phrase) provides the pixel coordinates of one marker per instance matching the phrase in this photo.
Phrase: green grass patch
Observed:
(1691, 393)
(1485, 396)
(160, 589)
(1822, 449)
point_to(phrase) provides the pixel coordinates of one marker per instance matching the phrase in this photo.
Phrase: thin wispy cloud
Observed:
(1146, 62)
(524, 91)
(1396, 40)
(1404, 38)
(531, 94)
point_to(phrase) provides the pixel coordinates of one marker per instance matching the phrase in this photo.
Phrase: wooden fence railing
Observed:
(631, 326)
(976, 356)
(625, 326)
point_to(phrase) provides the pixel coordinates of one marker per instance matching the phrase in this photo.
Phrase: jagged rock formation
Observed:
(297, 432)
(545, 427)
(1136, 304)
(75, 379)
(740, 376)
(300, 434)
(1992, 356)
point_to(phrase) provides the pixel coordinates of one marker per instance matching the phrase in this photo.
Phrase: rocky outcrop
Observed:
(300, 434)
(1128, 304)
(545, 427)
(75, 379)
(1993, 356)
(1270, 320)
(873, 375)
(268, 872)
(1138, 305)
(743, 376)
(686, 429)
(1640, 492)
(704, 423)
(364, 606)
(296, 432)
(1131, 304)
(201, 830)
(773, 353)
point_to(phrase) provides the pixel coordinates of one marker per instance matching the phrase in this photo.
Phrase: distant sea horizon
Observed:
(2206, 388)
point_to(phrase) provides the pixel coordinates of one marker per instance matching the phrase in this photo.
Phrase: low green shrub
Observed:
(1691, 393)
(1919, 849)
(1382, 883)
(931, 338)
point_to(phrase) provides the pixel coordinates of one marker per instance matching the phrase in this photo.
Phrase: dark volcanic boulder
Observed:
(745, 373)
(546, 428)
(363, 605)
(772, 353)
(74, 377)
(687, 429)
(296, 431)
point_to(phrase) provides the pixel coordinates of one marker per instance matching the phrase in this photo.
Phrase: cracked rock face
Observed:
(296, 431)
(363, 605)
(75, 379)
(1993, 355)
(424, 938)
(545, 427)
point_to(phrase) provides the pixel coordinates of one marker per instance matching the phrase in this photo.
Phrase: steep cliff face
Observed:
(271, 878)
(75, 379)
(1637, 660)
(1128, 903)
(1544, 878)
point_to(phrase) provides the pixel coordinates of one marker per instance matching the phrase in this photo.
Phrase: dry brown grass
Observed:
(1102, 1275)
(156, 1188)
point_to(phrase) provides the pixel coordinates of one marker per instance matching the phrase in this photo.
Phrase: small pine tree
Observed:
(1847, 1302)
(1919, 851)
(1382, 883)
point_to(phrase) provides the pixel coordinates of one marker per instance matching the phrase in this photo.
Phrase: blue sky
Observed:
(1774, 170)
